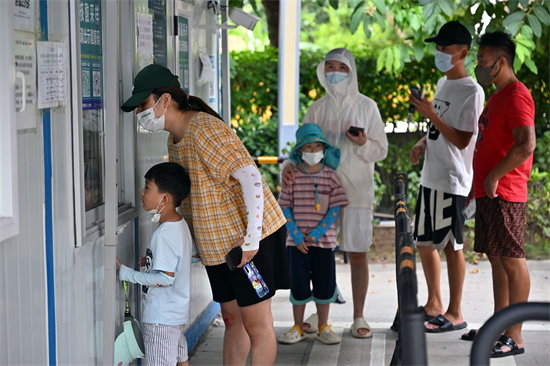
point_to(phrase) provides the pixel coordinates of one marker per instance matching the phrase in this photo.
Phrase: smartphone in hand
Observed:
(255, 279)
(470, 210)
(354, 131)
(416, 93)
(234, 257)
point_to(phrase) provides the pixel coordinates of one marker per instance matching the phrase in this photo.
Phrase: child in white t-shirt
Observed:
(167, 263)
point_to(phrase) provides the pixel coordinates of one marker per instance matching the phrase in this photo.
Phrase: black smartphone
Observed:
(234, 257)
(354, 131)
(416, 92)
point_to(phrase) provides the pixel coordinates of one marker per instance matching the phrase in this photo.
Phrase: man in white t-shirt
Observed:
(447, 174)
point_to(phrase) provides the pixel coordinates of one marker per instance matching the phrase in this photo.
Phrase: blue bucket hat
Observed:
(310, 132)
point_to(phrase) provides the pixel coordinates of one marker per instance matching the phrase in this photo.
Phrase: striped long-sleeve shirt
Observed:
(300, 197)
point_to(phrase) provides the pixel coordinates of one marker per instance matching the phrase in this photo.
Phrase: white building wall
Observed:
(79, 271)
(23, 314)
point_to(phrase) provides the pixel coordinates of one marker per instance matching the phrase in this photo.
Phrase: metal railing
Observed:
(502, 320)
(410, 347)
(268, 159)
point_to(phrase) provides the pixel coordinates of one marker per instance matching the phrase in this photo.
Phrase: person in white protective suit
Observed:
(341, 108)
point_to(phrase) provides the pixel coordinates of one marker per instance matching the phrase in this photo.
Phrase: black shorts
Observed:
(316, 267)
(439, 219)
(272, 263)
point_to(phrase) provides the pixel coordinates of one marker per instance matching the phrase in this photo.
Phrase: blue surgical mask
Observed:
(444, 61)
(336, 77)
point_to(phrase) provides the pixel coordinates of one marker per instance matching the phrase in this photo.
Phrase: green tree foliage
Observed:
(408, 23)
(254, 100)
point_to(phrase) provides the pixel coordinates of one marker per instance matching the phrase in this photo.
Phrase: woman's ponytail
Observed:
(186, 101)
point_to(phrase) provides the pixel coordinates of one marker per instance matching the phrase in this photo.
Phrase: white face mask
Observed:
(336, 77)
(155, 214)
(149, 121)
(312, 158)
(444, 61)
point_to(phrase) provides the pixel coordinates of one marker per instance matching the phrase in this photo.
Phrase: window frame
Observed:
(90, 225)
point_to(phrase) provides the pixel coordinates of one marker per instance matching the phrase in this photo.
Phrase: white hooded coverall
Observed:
(342, 107)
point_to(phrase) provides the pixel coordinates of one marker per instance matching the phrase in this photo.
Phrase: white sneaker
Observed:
(294, 335)
(327, 336)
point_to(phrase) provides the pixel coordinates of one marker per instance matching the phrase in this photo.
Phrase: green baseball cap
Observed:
(148, 79)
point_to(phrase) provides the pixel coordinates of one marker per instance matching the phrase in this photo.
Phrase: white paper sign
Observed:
(25, 62)
(207, 72)
(52, 80)
(145, 33)
(23, 15)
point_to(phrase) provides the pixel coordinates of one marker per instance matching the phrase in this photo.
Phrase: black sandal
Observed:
(470, 336)
(509, 342)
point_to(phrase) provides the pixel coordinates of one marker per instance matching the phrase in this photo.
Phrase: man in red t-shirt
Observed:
(502, 163)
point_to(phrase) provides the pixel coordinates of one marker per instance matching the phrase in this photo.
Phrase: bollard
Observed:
(410, 347)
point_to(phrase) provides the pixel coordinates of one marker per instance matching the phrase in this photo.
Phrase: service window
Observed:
(90, 142)
(91, 75)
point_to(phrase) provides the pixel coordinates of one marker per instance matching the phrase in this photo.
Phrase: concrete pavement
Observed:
(443, 349)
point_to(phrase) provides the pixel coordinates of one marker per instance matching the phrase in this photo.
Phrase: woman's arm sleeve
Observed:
(251, 184)
(287, 164)
(292, 227)
(316, 233)
(155, 278)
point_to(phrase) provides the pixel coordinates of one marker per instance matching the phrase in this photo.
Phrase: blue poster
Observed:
(92, 81)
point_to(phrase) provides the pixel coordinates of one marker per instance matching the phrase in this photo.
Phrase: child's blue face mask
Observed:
(336, 77)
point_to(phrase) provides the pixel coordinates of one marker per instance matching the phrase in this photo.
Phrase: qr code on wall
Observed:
(97, 84)
(86, 88)
(23, 3)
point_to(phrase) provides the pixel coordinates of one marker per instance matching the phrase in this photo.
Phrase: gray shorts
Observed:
(355, 227)
(165, 345)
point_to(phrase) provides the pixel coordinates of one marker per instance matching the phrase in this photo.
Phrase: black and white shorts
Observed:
(439, 219)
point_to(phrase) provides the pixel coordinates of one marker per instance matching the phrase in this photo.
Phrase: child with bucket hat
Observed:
(311, 205)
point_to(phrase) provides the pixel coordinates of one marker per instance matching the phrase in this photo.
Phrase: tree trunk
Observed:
(271, 8)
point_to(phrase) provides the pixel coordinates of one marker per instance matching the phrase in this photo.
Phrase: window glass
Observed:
(92, 101)
(159, 31)
(93, 157)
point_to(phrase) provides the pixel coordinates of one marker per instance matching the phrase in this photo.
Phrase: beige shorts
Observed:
(355, 228)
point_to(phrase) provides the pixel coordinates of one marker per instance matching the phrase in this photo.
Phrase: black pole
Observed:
(410, 347)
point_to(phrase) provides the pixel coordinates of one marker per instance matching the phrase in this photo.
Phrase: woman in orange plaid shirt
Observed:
(229, 205)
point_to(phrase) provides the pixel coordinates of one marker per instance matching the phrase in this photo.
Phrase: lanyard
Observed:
(127, 314)
(317, 200)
